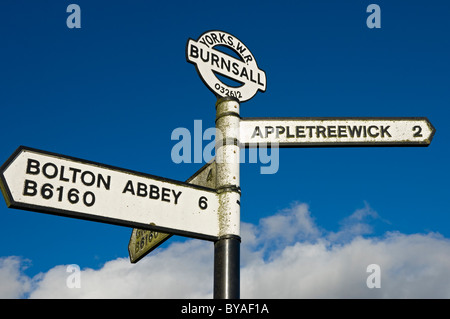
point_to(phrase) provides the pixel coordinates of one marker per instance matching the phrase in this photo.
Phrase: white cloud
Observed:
(285, 256)
(13, 283)
(412, 266)
(184, 270)
(356, 224)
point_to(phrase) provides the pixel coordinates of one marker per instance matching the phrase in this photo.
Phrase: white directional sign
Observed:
(334, 132)
(209, 61)
(51, 183)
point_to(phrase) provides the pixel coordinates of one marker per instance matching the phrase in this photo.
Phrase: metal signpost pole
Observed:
(242, 68)
(227, 247)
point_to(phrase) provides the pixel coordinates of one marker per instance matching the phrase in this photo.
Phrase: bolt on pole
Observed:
(227, 248)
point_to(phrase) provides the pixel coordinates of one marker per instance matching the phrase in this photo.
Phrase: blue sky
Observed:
(115, 89)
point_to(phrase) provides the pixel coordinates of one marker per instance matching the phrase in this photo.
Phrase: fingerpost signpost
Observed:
(207, 205)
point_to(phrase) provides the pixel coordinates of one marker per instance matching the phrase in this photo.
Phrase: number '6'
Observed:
(203, 202)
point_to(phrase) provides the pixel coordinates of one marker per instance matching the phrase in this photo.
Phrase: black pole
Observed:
(227, 267)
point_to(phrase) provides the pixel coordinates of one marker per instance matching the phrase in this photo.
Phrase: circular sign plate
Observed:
(210, 62)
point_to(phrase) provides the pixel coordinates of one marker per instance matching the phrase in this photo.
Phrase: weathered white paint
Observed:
(227, 166)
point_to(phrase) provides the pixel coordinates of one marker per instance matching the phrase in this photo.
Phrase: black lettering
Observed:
(384, 131)
(176, 196)
(331, 131)
(85, 199)
(240, 48)
(209, 40)
(369, 130)
(235, 68)
(244, 73)
(203, 58)
(61, 176)
(354, 131)
(251, 76)
(223, 63)
(256, 132)
(141, 189)
(154, 192)
(165, 194)
(300, 131)
(259, 79)
(280, 130)
(310, 128)
(29, 188)
(46, 173)
(341, 131)
(288, 135)
(75, 171)
(129, 188)
(214, 59)
(417, 128)
(222, 37)
(33, 167)
(193, 52)
(269, 130)
(202, 40)
(320, 130)
(230, 40)
(214, 36)
(85, 180)
(106, 183)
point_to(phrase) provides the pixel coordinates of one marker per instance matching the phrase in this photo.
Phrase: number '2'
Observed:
(419, 131)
